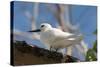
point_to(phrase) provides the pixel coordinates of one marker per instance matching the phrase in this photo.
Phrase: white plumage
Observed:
(56, 38)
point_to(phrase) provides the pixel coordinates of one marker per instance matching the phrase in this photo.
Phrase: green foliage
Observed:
(92, 53)
(95, 43)
(95, 32)
(95, 46)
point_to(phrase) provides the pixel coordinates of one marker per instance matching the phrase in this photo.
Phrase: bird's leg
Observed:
(56, 49)
(50, 48)
(53, 49)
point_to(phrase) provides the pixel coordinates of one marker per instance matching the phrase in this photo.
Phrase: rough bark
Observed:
(32, 55)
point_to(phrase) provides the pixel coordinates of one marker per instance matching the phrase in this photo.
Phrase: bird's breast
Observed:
(47, 38)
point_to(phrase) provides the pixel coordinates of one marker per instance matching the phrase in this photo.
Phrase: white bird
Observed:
(56, 38)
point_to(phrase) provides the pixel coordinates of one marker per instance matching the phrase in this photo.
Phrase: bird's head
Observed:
(43, 27)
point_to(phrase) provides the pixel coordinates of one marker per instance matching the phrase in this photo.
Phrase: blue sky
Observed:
(84, 16)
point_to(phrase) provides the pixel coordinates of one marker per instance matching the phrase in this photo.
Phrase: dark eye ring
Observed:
(42, 25)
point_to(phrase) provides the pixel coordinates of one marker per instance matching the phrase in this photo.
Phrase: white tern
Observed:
(56, 38)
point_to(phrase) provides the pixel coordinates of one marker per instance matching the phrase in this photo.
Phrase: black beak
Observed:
(38, 30)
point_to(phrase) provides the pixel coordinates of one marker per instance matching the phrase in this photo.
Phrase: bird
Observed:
(55, 38)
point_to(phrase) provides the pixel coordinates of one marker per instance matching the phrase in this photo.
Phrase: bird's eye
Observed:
(42, 25)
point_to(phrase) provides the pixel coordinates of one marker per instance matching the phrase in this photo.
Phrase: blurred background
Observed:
(69, 18)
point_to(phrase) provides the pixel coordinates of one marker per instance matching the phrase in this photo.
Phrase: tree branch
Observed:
(29, 55)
